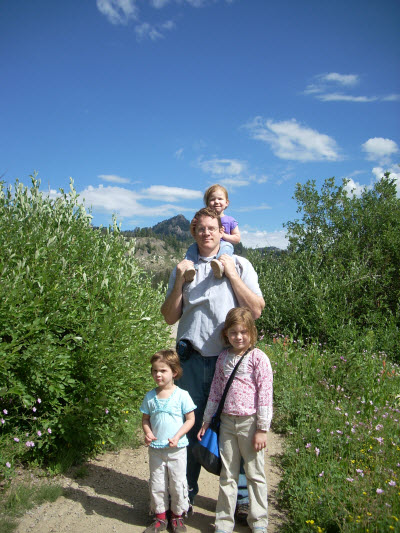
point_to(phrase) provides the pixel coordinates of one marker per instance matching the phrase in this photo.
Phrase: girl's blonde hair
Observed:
(212, 189)
(170, 358)
(240, 316)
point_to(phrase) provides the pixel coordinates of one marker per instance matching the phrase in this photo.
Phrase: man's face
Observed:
(208, 235)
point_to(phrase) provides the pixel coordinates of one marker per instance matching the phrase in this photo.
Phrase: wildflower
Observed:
(378, 427)
(379, 491)
(39, 433)
(318, 431)
(49, 430)
(34, 409)
(8, 465)
(308, 445)
(5, 411)
(317, 451)
(16, 439)
(321, 474)
(107, 411)
(392, 483)
(39, 400)
(350, 479)
(339, 432)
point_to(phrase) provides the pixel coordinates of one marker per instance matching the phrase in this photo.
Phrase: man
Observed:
(201, 307)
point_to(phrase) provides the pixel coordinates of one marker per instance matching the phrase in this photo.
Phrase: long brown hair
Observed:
(240, 316)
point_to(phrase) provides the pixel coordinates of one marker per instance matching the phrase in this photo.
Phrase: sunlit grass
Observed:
(341, 414)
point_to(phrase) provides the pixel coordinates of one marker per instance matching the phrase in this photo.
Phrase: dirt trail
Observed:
(113, 496)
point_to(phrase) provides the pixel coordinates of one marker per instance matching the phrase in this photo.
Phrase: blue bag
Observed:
(206, 450)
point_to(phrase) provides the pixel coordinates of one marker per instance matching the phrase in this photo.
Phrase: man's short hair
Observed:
(208, 212)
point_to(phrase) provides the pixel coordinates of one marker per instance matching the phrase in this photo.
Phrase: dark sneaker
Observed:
(157, 525)
(177, 525)
(242, 512)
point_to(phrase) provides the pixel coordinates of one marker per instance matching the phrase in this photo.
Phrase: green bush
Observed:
(78, 322)
(339, 281)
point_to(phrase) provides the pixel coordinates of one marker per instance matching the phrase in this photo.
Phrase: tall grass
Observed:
(340, 412)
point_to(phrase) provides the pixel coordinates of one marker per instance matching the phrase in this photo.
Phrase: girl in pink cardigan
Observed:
(245, 420)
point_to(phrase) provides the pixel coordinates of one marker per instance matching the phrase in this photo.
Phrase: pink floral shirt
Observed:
(250, 392)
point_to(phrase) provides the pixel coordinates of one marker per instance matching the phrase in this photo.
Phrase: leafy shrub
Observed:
(339, 281)
(78, 322)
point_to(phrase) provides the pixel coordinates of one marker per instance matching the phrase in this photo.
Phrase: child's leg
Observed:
(193, 254)
(178, 488)
(159, 501)
(255, 473)
(225, 248)
(230, 455)
(216, 265)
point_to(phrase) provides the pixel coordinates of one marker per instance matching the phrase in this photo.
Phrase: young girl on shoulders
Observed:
(168, 414)
(215, 197)
(245, 420)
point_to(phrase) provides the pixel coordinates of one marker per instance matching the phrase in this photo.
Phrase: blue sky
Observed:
(145, 103)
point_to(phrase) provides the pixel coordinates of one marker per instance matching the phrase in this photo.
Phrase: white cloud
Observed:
(221, 167)
(118, 11)
(329, 88)
(259, 239)
(232, 183)
(339, 97)
(379, 149)
(113, 178)
(170, 194)
(159, 4)
(355, 188)
(290, 140)
(252, 208)
(126, 203)
(379, 172)
(340, 79)
(179, 153)
(147, 31)
(391, 98)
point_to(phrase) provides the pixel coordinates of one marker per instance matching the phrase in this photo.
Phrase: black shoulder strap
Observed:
(228, 384)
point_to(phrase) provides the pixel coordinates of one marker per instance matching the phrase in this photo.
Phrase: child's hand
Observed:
(259, 440)
(173, 443)
(148, 438)
(203, 429)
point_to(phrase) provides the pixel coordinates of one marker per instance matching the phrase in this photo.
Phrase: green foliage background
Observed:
(339, 281)
(78, 323)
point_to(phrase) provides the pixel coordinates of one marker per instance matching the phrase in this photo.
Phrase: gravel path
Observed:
(113, 496)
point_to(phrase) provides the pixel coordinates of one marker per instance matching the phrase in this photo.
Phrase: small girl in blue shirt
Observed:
(168, 414)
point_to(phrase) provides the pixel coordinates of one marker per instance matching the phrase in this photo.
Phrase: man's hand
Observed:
(259, 440)
(229, 266)
(181, 269)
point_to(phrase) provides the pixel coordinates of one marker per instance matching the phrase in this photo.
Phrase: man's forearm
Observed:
(246, 297)
(171, 309)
